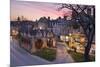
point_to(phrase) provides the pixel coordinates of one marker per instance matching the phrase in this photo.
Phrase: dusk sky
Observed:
(35, 10)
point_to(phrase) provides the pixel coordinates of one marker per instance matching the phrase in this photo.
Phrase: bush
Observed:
(47, 53)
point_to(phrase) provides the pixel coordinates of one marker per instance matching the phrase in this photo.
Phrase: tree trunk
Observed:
(88, 46)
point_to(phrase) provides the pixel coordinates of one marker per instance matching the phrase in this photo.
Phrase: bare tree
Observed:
(85, 16)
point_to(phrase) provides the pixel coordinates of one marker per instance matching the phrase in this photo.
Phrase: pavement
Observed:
(62, 54)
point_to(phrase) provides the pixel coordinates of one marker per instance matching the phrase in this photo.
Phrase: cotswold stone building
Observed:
(43, 33)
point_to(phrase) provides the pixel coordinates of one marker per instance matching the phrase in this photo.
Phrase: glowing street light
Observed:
(67, 38)
(40, 28)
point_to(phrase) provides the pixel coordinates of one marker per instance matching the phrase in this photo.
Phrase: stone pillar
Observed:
(44, 43)
(54, 42)
(33, 46)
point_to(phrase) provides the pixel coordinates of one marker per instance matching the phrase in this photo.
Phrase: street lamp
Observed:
(40, 28)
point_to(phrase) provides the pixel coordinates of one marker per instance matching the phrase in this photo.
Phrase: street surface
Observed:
(20, 57)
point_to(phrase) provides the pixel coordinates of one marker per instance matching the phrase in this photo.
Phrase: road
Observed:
(20, 57)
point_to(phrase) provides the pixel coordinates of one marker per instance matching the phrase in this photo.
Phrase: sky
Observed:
(35, 10)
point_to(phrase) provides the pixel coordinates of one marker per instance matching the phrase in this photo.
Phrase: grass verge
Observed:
(79, 57)
(47, 53)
